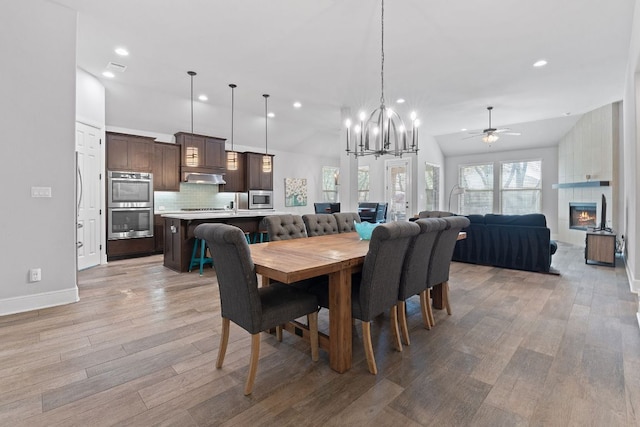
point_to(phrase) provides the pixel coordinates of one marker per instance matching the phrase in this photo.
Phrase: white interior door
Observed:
(398, 189)
(88, 195)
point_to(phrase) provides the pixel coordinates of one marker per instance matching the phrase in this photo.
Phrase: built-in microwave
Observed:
(256, 199)
(129, 190)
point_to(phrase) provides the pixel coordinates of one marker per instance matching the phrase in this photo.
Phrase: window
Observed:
(330, 176)
(521, 187)
(432, 187)
(477, 180)
(363, 183)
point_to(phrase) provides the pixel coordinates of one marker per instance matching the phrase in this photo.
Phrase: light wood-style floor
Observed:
(140, 347)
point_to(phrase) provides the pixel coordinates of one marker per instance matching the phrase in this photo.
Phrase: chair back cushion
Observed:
(378, 289)
(239, 298)
(416, 262)
(320, 224)
(443, 250)
(345, 221)
(285, 227)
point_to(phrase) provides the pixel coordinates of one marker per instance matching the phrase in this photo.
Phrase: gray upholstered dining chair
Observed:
(440, 264)
(345, 221)
(284, 227)
(375, 289)
(414, 272)
(320, 224)
(244, 303)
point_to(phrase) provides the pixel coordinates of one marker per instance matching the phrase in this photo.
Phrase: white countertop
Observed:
(241, 213)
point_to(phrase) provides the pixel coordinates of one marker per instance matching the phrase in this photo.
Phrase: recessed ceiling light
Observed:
(540, 63)
(108, 74)
(271, 115)
(297, 104)
(400, 101)
(463, 130)
(567, 114)
(203, 97)
(122, 51)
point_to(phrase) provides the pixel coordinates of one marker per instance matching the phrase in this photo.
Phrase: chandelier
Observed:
(384, 131)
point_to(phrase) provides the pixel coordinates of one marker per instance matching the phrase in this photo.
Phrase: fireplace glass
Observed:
(582, 215)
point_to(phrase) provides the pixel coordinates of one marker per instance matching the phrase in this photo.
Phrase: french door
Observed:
(398, 187)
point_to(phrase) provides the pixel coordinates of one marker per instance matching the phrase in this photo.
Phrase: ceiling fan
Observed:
(490, 134)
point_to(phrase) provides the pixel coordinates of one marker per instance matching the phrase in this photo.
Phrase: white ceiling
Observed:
(448, 59)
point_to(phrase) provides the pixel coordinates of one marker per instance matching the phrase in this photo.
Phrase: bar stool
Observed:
(261, 236)
(201, 260)
(247, 235)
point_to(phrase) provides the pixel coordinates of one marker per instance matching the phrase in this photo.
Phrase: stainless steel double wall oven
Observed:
(130, 205)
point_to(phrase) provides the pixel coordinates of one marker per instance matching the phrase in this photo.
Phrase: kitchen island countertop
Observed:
(241, 213)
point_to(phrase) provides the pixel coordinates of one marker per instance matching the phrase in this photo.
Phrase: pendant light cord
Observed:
(266, 96)
(382, 57)
(232, 86)
(191, 73)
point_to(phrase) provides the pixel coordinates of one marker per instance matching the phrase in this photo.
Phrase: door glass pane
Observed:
(363, 183)
(432, 187)
(398, 187)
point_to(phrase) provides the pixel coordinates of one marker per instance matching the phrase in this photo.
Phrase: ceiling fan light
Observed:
(489, 139)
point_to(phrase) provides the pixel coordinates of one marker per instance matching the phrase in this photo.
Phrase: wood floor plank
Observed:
(139, 349)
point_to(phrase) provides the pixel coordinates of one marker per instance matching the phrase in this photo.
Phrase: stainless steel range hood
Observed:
(204, 178)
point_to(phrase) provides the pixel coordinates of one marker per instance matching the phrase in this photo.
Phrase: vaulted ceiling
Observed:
(448, 59)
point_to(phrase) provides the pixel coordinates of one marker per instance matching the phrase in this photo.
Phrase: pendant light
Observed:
(191, 156)
(232, 156)
(384, 131)
(266, 159)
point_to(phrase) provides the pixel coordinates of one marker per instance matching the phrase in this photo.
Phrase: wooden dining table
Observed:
(336, 255)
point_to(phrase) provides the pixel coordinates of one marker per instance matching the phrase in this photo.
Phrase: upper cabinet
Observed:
(166, 167)
(257, 177)
(236, 181)
(201, 153)
(129, 152)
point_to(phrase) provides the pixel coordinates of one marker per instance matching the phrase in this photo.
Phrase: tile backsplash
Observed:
(191, 196)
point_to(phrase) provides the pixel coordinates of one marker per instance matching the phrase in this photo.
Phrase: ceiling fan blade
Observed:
(513, 133)
(474, 136)
(501, 130)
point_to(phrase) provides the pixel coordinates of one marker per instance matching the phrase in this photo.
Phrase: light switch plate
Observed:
(40, 191)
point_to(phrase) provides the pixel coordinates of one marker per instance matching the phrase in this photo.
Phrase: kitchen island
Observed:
(179, 226)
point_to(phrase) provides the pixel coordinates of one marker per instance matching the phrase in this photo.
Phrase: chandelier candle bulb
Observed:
(348, 124)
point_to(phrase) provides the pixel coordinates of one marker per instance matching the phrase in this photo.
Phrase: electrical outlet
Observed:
(35, 275)
(40, 191)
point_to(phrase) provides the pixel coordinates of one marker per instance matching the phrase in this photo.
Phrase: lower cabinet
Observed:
(158, 233)
(128, 248)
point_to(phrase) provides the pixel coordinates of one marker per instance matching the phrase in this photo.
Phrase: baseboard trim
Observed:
(38, 301)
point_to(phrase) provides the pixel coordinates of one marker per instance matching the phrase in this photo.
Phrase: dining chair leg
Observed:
(424, 309)
(394, 327)
(368, 347)
(279, 333)
(224, 339)
(432, 319)
(312, 320)
(445, 297)
(253, 364)
(402, 319)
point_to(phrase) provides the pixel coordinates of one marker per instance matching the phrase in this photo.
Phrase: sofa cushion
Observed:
(528, 220)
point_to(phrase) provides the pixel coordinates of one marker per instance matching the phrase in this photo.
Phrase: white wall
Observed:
(37, 109)
(549, 157)
(631, 121)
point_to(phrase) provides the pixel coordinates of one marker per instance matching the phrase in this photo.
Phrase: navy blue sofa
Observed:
(521, 242)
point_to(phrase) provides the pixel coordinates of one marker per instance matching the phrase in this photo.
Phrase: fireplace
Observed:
(582, 215)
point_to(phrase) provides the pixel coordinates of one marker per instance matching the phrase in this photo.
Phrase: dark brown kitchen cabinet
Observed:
(176, 247)
(236, 181)
(166, 167)
(129, 248)
(129, 152)
(257, 178)
(158, 233)
(200, 151)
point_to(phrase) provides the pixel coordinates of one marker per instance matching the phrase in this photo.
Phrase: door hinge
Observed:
(100, 247)
(100, 141)
(99, 211)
